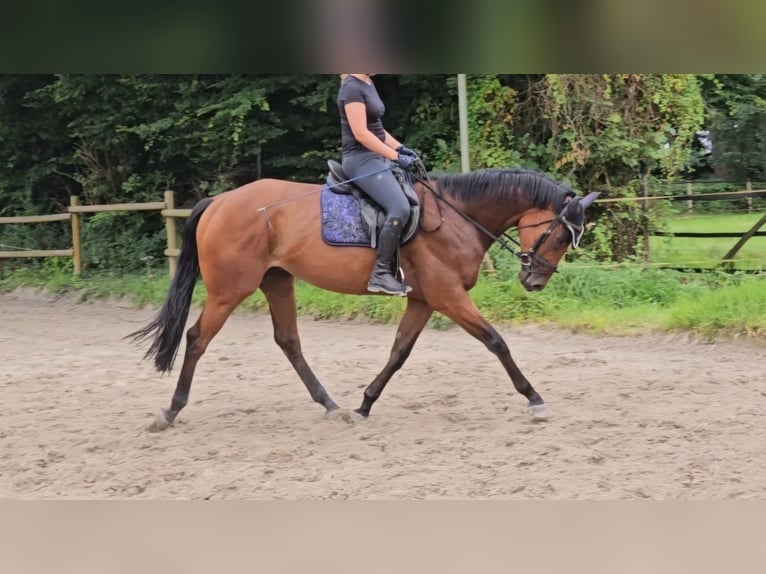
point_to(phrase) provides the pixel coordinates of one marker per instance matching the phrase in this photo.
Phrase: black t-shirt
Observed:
(355, 90)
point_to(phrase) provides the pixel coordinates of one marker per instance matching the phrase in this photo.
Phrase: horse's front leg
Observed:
(415, 318)
(460, 308)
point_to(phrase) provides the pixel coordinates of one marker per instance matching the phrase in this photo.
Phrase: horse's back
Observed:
(273, 203)
(246, 202)
(263, 192)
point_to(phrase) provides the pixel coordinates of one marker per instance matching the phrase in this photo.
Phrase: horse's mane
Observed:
(498, 184)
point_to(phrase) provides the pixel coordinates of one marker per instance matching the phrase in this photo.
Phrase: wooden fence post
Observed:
(170, 229)
(749, 187)
(74, 201)
(726, 261)
(690, 202)
(645, 209)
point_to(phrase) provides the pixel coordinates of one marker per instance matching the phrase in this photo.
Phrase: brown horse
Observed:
(268, 232)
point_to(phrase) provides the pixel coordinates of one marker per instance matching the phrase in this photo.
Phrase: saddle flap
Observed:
(409, 191)
(336, 178)
(336, 170)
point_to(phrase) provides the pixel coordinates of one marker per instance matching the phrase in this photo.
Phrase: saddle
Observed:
(372, 215)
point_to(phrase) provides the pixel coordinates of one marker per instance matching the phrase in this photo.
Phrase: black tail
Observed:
(168, 326)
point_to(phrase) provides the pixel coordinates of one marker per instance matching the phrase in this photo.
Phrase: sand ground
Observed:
(653, 417)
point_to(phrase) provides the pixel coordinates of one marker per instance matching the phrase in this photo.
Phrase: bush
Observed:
(122, 241)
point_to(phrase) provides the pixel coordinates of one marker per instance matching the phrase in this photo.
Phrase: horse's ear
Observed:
(589, 199)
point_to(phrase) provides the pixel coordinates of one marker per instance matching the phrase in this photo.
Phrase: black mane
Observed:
(499, 184)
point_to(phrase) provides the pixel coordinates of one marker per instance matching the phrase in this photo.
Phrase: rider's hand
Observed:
(405, 161)
(404, 150)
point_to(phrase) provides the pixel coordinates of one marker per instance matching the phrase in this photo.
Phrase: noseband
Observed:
(530, 256)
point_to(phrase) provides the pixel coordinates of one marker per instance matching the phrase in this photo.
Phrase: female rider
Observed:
(368, 148)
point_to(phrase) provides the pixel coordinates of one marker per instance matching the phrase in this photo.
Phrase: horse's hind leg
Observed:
(279, 289)
(214, 314)
(415, 318)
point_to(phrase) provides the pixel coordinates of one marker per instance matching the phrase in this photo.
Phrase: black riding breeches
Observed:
(382, 187)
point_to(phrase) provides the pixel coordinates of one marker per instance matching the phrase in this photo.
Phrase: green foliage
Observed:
(622, 127)
(49, 235)
(124, 241)
(732, 309)
(494, 107)
(35, 155)
(736, 123)
(616, 289)
(422, 111)
(618, 133)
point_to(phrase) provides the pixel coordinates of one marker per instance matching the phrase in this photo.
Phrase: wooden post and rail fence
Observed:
(168, 210)
(73, 214)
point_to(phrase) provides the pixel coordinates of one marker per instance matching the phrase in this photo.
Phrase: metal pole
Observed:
(462, 100)
(465, 162)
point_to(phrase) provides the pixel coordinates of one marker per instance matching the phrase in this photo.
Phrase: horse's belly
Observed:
(339, 269)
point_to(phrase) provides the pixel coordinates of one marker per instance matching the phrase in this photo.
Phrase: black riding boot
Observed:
(382, 279)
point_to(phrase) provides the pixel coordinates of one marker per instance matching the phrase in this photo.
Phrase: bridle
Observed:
(529, 256)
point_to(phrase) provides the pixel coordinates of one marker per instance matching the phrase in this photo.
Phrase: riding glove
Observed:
(405, 161)
(406, 151)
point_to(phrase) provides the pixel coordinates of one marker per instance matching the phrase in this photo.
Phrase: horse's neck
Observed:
(495, 217)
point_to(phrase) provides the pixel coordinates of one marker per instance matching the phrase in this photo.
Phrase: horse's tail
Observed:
(167, 327)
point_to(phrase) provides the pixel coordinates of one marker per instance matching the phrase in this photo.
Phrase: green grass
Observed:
(708, 252)
(733, 309)
(624, 300)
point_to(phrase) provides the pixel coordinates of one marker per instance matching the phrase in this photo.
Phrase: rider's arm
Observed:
(357, 121)
(392, 142)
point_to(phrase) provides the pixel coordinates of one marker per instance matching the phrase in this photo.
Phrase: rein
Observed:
(526, 257)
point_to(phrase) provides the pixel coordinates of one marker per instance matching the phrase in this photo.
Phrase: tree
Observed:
(736, 121)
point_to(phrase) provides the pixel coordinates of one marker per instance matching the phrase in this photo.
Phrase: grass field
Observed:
(708, 252)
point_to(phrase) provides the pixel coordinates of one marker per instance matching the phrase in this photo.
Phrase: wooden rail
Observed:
(38, 253)
(701, 234)
(36, 218)
(74, 213)
(714, 196)
(152, 206)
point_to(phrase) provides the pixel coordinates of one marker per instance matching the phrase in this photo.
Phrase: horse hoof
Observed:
(538, 412)
(161, 422)
(341, 415)
(358, 415)
(332, 414)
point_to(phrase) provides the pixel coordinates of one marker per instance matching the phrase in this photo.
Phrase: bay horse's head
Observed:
(544, 237)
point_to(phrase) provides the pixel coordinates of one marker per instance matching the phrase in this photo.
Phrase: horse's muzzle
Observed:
(533, 281)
